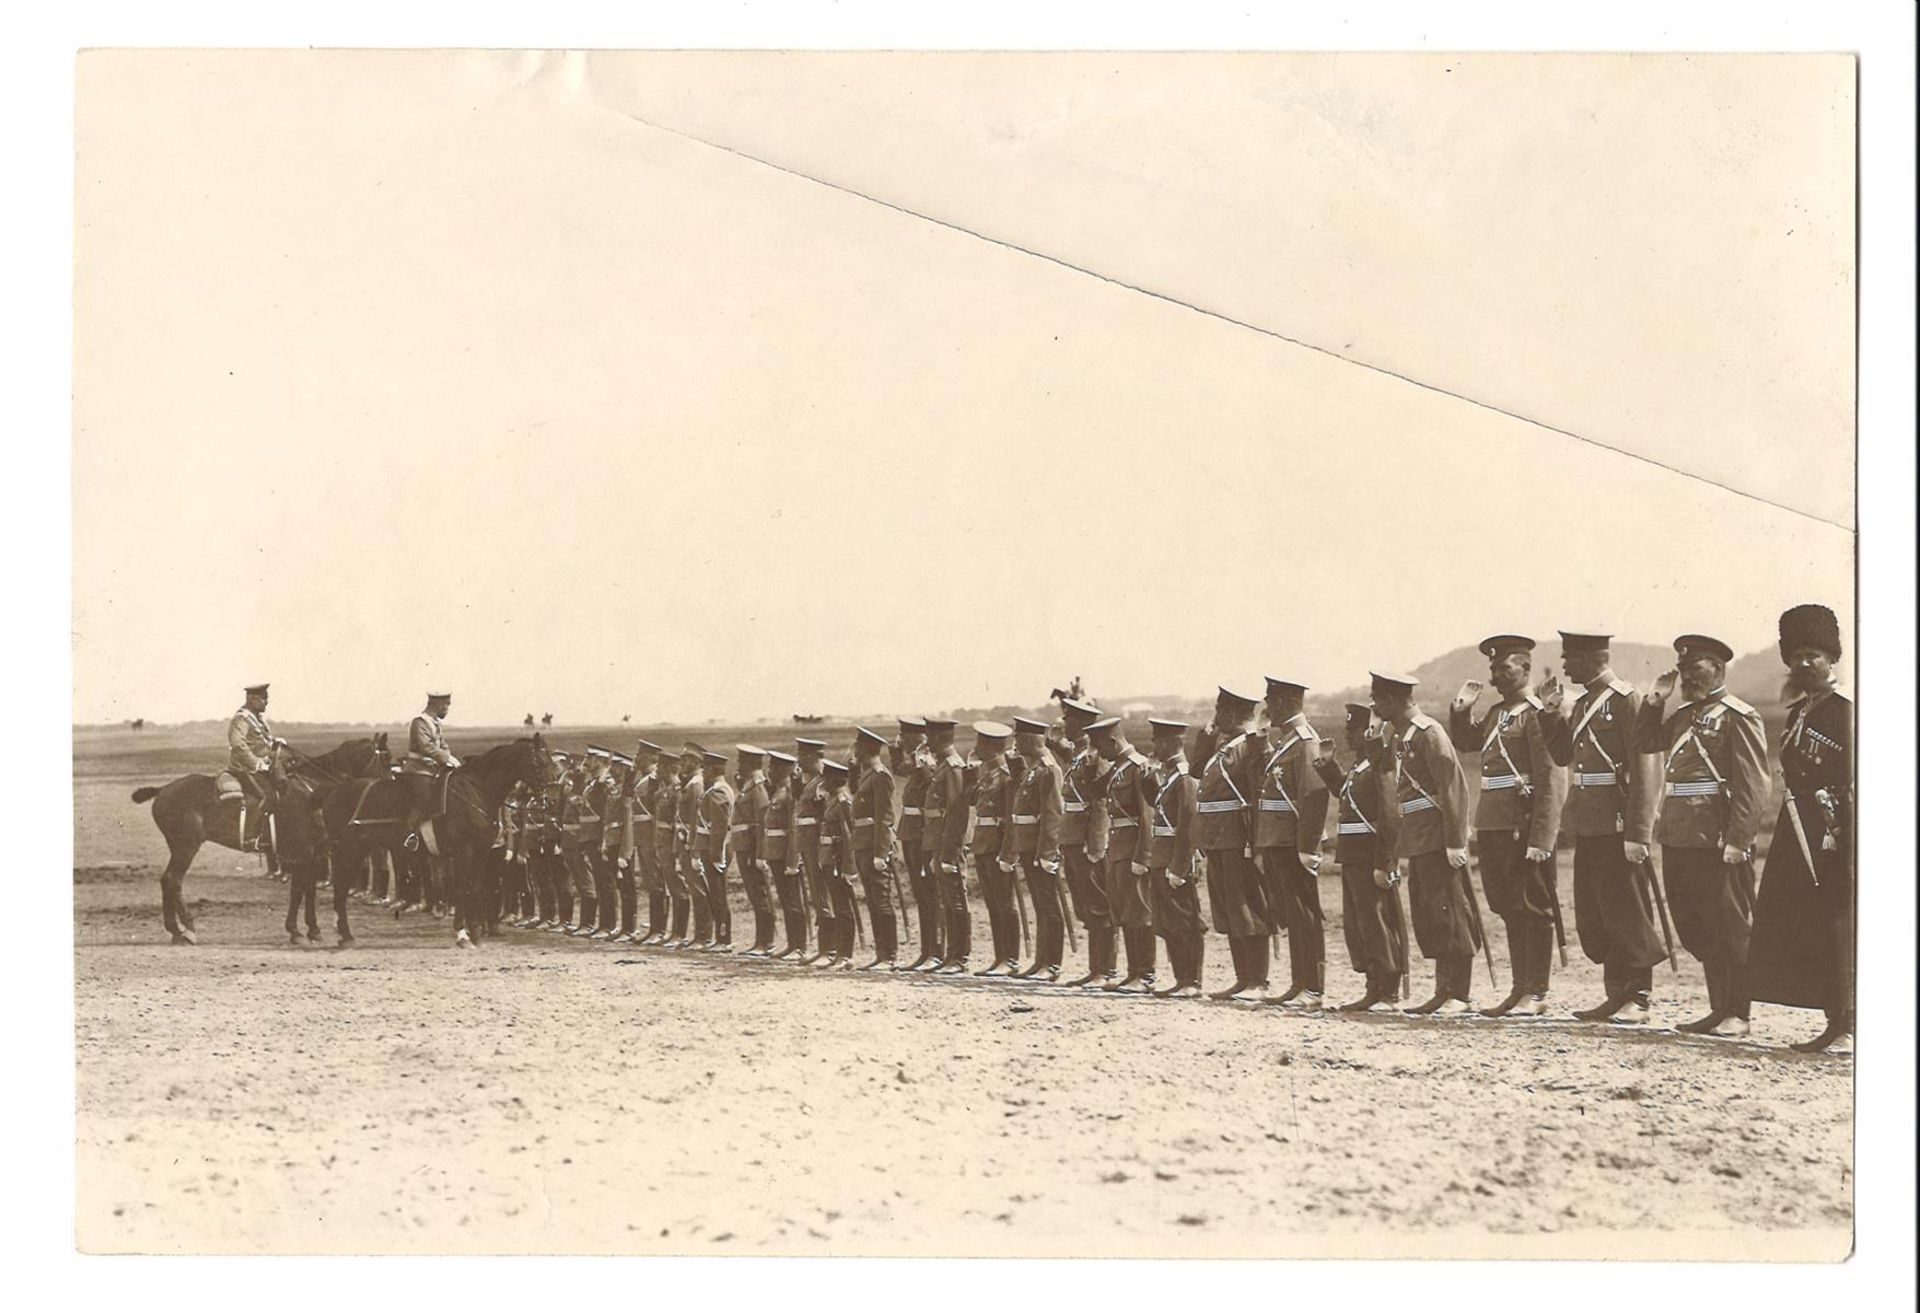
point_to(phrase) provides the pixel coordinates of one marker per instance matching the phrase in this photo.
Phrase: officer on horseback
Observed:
(250, 749)
(428, 758)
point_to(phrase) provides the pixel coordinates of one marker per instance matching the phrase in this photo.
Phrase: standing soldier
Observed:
(913, 766)
(715, 832)
(428, 758)
(615, 856)
(1610, 805)
(945, 829)
(1130, 790)
(1289, 832)
(1173, 862)
(1517, 817)
(873, 845)
(990, 796)
(804, 848)
(776, 842)
(749, 826)
(1037, 814)
(252, 757)
(1427, 812)
(1714, 760)
(589, 821)
(1083, 836)
(1223, 831)
(1376, 932)
(1803, 939)
(837, 865)
(692, 838)
(641, 838)
(666, 852)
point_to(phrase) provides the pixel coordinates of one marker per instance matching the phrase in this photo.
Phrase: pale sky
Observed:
(398, 370)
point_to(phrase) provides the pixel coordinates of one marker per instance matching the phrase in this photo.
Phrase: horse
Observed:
(307, 822)
(190, 812)
(371, 814)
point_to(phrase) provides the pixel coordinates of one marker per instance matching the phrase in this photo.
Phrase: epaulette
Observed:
(1737, 705)
(1421, 720)
(1619, 685)
(1533, 700)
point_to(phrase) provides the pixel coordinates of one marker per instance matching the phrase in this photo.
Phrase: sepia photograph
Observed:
(947, 653)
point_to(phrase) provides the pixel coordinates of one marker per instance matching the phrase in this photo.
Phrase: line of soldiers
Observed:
(1070, 825)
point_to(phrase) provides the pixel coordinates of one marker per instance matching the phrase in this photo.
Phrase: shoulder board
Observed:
(1736, 705)
(1799, 702)
(1619, 685)
(1421, 720)
(1533, 700)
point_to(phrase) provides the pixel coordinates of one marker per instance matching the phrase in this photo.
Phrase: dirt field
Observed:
(543, 1095)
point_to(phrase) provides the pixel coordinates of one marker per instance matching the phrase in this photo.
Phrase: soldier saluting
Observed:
(1230, 756)
(1715, 763)
(1517, 817)
(428, 758)
(1609, 811)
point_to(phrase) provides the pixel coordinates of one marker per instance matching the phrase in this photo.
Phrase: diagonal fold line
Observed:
(1169, 299)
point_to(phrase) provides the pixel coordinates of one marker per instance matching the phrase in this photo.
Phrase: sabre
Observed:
(1406, 937)
(1660, 900)
(1559, 926)
(1800, 836)
(1479, 930)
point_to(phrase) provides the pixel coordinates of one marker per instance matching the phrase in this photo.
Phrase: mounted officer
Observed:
(252, 759)
(428, 758)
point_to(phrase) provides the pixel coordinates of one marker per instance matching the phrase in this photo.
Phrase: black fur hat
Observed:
(1809, 625)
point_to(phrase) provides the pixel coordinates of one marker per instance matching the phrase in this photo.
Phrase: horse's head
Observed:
(543, 771)
(381, 760)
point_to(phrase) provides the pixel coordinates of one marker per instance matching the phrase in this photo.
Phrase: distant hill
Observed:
(1755, 677)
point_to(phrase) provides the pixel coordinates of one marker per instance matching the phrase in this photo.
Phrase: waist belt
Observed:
(642, 816)
(776, 834)
(1597, 779)
(986, 823)
(1025, 820)
(1220, 805)
(738, 829)
(1075, 806)
(1492, 782)
(861, 822)
(910, 811)
(1163, 832)
(1355, 827)
(1275, 805)
(1693, 788)
(1125, 822)
(808, 820)
(1412, 805)
(934, 815)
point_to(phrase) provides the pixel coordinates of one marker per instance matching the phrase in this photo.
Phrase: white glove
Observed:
(1733, 856)
(1456, 857)
(453, 762)
(1051, 867)
(1636, 853)
(1138, 868)
(1538, 854)
(1311, 861)
(879, 864)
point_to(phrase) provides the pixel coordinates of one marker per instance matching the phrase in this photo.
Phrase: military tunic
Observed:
(1522, 792)
(1223, 830)
(807, 856)
(873, 851)
(1713, 760)
(990, 798)
(691, 836)
(1289, 832)
(778, 850)
(1130, 789)
(1038, 812)
(1611, 799)
(1427, 812)
(1083, 831)
(1802, 951)
(717, 853)
(1374, 929)
(944, 835)
(1173, 870)
(837, 867)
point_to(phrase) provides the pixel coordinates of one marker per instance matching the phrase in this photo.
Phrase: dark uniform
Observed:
(748, 829)
(1522, 792)
(1173, 867)
(641, 842)
(715, 833)
(1802, 951)
(990, 798)
(1289, 832)
(1129, 793)
(777, 848)
(837, 863)
(946, 828)
(1427, 812)
(914, 766)
(804, 850)
(1229, 781)
(873, 851)
(1037, 816)
(1374, 925)
(1713, 754)
(1083, 836)
(666, 853)
(690, 840)
(615, 854)
(1611, 799)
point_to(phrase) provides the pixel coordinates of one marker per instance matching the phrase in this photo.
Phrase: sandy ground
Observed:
(543, 1095)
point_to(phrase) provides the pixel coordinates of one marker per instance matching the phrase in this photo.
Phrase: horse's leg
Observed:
(340, 895)
(454, 872)
(321, 871)
(297, 875)
(173, 907)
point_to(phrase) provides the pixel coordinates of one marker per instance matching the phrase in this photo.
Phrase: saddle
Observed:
(386, 802)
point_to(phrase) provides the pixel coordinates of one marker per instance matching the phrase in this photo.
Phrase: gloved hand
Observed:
(1732, 856)
(1636, 853)
(1457, 857)
(1538, 854)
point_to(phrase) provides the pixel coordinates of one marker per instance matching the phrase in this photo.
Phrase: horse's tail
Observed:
(145, 794)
